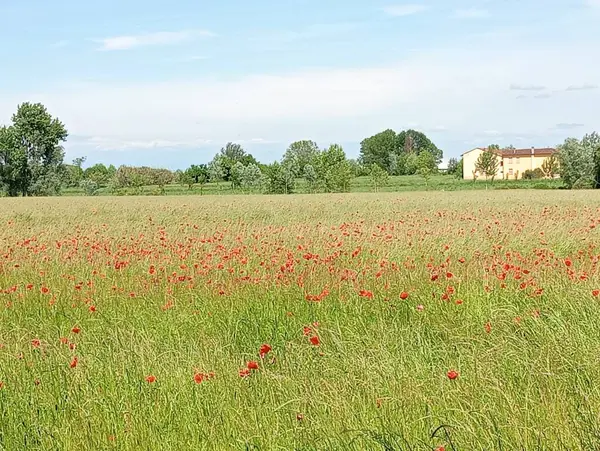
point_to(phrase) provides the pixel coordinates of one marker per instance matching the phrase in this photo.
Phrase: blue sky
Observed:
(168, 83)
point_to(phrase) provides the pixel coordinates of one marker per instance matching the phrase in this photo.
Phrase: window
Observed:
(510, 160)
(510, 171)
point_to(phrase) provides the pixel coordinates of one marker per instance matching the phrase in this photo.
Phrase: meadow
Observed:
(400, 183)
(389, 321)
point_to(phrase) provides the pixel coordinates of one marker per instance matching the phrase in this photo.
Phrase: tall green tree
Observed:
(426, 165)
(299, 154)
(231, 154)
(413, 141)
(31, 152)
(487, 162)
(379, 177)
(333, 169)
(576, 164)
(378, 149)
(591, 142)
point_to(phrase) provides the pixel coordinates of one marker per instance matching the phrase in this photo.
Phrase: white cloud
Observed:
(404, 10)
(471, 13)
(464, 89)
(158, 38)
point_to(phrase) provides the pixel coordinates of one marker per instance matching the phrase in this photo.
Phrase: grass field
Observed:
(415, 321)
(357, 185)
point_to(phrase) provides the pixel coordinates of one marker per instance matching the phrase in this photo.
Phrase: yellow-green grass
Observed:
(520, 325)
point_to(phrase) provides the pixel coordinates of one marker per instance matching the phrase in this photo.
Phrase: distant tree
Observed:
(576, 164)
(378, 149)
(591, 142)
(550, 166)
(426, 165)
(279, 179)
(452, 166)
(299, 154)
(250, 177)
(236, 174)
(333, 169)
(393, 165)
(90, 187)
(379, 177)
(408, 164)
(99, 174)
(31, 154)
(216, 170)
(231, 154)
(311, 177)
(413, 141)
(459, 172)
(487, 162)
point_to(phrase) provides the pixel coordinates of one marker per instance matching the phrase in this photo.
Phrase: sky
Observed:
(167, 84)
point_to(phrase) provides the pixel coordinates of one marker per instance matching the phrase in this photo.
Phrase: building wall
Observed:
(510, 168)
(469, 160)
(515, 166)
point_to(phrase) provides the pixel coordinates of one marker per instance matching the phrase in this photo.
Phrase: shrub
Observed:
(535, 174)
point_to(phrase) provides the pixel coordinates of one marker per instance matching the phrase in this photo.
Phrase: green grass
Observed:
(233, 272)
(358, 185)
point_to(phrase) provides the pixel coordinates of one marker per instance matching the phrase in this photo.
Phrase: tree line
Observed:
(32, 163)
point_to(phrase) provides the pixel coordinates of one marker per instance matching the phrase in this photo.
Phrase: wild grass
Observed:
(357, 185)
(500, 284)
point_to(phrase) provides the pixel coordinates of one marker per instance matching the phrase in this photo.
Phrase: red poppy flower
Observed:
(452, 375)
(92, 308)
(404, 295)
(264, 350)
(45, 290)
(199, 378)
(74, 362)
(488, 327)
(76, 330)
(252, 365)
(150, 379)
(244, 372)
(595, 293)
(36, 343)
(314, 340)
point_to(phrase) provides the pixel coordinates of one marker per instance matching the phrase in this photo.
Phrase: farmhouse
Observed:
(512, 163)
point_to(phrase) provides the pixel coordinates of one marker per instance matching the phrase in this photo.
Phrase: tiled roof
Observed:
(540, 152)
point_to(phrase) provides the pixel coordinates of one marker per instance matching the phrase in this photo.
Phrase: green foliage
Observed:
(90, 187)
(139, 177)
(550, 166)
(299, 154)
(426, 165)
(576, 163)
(31, 154)
(487, 162)
(452, 166)
(333, 170)
(279, 179)
(413, 141)
(100, 174)
(378, 148)
(311, 177)
(379, 177)
(216, 170)
(591, 142)
(397, 153)
(251, 177)
(534, 174)
(229, 155)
